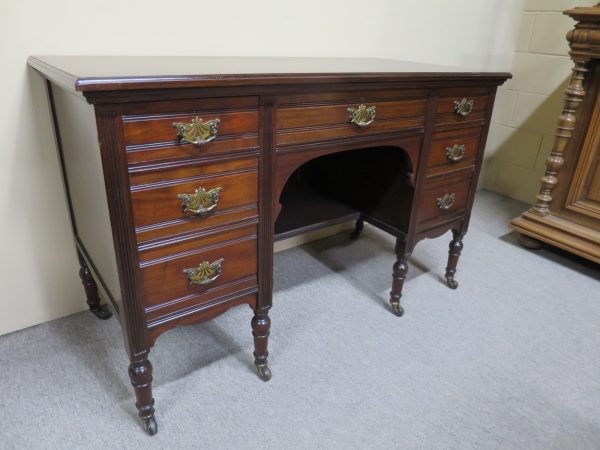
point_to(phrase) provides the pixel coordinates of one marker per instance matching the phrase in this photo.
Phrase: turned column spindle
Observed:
(574, 95)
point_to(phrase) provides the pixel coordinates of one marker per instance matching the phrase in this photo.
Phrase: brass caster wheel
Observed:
(101, 312)
(451, 282)
(264, 373)
(397, 309)
(150, 426)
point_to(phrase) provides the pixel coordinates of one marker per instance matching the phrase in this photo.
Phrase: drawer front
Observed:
(191, 129)
(172, 152)
(200, 270)
(194, 197)
(349, 115)
(188, 224)
(443, 200)
(453, 150)
(461, 105)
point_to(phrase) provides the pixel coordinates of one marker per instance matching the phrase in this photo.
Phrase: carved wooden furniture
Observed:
(567, 210)
(178, 184)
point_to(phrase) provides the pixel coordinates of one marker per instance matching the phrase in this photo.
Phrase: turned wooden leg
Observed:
(398, 276)
(261, 325)
(358, 228)
(91, 291)
(140, 373)
(456, 247)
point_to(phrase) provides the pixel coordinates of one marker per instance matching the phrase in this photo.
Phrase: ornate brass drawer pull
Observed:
(446, 201)
(455, 152)
(201, 201)
(198, 132)
(464, 106)
(205, 273)
(362, 116)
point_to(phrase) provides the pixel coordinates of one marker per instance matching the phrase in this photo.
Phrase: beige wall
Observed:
(38, 267)
(528, 106)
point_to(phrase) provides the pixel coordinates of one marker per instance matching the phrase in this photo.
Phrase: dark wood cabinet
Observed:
(567, 209)
(182, 172)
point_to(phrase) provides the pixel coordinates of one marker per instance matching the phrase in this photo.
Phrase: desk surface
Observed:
(93, 73)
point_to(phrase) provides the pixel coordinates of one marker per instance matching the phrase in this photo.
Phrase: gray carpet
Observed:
(511, 360)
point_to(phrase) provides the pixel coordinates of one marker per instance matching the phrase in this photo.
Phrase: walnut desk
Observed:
(181, 172)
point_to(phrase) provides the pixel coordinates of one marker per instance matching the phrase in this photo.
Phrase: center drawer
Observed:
(327, 116)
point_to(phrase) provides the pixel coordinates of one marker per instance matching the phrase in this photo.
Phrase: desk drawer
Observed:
(165, 131)
(326, 119)
(453, 150)
(443, 199)
(209, 192)
(197, 271)
(459, 105)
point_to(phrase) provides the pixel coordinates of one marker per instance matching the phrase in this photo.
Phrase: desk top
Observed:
(105, 73)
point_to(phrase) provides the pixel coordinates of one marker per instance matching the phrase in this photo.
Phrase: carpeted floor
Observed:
(511, 360)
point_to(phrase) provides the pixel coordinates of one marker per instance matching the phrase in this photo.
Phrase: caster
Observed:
(264, 373)
(451, 282)
(101, 312)
(355, 234)
(397, 309)
(150, 426)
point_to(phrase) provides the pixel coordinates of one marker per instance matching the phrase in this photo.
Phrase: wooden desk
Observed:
(178, 184)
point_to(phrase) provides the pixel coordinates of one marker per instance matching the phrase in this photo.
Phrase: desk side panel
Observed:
(80, 153)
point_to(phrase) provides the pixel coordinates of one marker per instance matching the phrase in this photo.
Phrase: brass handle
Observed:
(446, 201)
(198, 132)
(362, 116)
(463, 107)
(456, 152)
(201, 201)
(205, 273)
